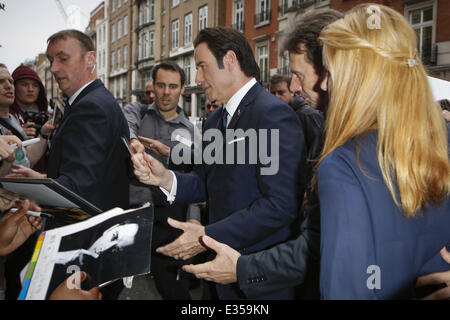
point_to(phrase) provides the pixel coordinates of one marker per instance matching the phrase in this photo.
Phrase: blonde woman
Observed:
(384, 173)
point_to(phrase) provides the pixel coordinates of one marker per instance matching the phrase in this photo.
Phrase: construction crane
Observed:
(62, 10)
(72, 15)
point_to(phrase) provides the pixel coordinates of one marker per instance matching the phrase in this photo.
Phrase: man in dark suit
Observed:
(252, 204)
(87, 154)
(294, 262)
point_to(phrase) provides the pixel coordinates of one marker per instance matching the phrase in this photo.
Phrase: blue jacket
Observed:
(369, 249)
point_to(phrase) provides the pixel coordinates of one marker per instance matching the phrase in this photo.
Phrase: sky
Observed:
(27, 24)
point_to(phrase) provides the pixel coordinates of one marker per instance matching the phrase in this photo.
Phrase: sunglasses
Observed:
(148, 93)
(214, 106)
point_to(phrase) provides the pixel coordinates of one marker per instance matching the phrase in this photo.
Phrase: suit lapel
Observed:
(243, 106)
(92, 86)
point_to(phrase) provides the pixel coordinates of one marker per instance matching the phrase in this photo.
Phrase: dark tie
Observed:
(66, 108)
(224, 118)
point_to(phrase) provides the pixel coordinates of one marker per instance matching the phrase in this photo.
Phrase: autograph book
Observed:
(109, 246)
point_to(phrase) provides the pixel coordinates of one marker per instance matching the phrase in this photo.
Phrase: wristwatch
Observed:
(46, 137)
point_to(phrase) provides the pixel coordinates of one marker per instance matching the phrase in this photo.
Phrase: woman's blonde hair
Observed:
(379, 83)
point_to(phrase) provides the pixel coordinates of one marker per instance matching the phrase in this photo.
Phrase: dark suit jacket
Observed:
(87, 155)
(248, 210)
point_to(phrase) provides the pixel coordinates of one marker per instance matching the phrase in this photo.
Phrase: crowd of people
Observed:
(357, 207)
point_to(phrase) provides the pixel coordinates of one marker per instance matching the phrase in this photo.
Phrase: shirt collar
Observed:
(236, 99)
(180, 118)
(76, 94)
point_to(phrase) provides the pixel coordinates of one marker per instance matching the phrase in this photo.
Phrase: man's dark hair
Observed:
(220, 40)
(306, 30)
(279, 78)
(169, 65)
(86, 42)
(2, 65)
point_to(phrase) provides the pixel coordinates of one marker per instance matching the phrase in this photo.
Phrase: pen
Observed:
(35, 213)
(26, 143)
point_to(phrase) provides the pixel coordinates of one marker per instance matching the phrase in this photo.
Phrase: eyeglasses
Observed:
(148, 93)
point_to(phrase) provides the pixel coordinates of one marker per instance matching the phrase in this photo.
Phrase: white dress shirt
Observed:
(76, 94)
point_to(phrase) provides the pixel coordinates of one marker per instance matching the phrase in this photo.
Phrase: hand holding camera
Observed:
(33, 122)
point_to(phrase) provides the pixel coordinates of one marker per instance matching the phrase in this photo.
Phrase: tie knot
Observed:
(66, 107)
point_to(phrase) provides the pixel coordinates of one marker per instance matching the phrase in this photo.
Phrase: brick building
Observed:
(258, 20)
(429, 18)
(431, 21)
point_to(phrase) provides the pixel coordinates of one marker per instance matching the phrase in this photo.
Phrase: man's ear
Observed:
(91, 58)
(229, 59)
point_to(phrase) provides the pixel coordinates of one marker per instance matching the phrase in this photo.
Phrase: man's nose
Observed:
(54, 67)
(295, 84)
(198, 77)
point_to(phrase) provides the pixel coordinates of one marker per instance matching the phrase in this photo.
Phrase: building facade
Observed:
(429, 18)
(145, 49)
(121, 62)
(181, 20)
(98, 30)
(259, 21)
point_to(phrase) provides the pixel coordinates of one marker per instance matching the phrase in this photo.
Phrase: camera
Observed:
(39, 119)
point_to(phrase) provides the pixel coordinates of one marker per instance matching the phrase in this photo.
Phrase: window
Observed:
(104, 33)
(152, 10)
(125, 25)
(263, 12)
(175, 34)
(284, 6)
(119, 3)
(125, 56)
(163, 40)
(124, 86)
(119, 29)
(140, 44)
(421, 21)
(202, 18)
(104, 58)
(175, 3)
(188, 29)
(144, 45)
(113, 32)
(112, 87)
(151, 44)
(144, 10)
(263, 62)
(163, 6)
(113, 7)
(113, 55)
(119, 61)
(284, 69)
(239, 15)
(187, 69)
(117, 87)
